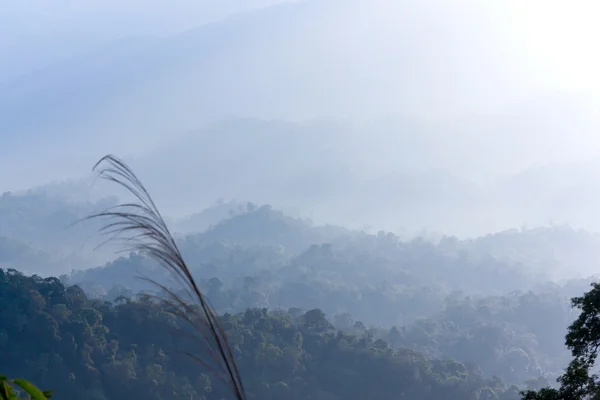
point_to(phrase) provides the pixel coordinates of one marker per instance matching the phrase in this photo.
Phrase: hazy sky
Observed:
(513, 82)
(34, 33)
(557, 36)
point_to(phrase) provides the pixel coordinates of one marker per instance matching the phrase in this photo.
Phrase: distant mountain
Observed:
(48, 221)
(287, 260)
(242, 242)
(17, 254)
(398, 174)
(52, 224)
(466, 177)
(298, 60)
(342, 59)
(557, 251)
(265, 226)
(200, 221)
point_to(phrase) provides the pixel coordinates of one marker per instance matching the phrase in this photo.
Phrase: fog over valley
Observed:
(359, 120)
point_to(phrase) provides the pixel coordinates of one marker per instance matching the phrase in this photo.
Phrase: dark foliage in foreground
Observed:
(580, 380)
(56, 337)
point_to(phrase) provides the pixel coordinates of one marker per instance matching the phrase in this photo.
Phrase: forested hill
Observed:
(308, 307)
(447, 298)
(84, 349)
(294, 263)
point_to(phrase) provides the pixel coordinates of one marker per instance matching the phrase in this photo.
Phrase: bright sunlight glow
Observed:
(562, 36)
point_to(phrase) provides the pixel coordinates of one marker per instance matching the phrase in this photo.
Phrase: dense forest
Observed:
(56, 336)
(313, 312)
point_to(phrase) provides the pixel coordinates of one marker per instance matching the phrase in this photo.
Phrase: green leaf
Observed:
(30, 389)
(6, 392)
(3, 391)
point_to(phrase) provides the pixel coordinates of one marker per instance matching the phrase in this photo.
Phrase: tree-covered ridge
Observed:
(56, 337)
(260, 240)
(556, 251)
(266, 226)
(446, 299)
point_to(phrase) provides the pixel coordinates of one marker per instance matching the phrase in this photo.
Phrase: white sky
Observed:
(561, 36)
